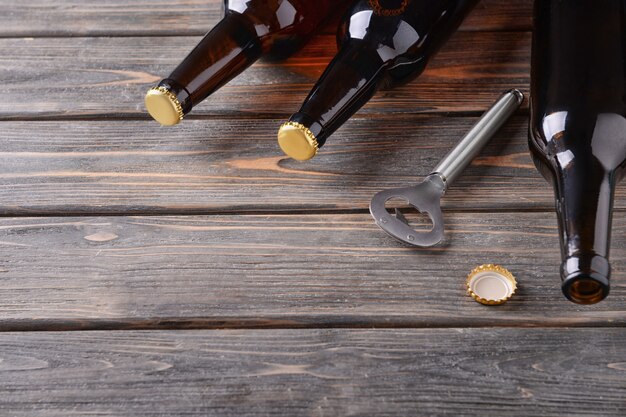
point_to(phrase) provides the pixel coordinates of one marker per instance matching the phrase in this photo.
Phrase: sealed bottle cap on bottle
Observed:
(163, 106)
(491, 284)
(297, 141)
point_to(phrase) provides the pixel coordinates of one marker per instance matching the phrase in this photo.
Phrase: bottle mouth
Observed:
(586, 278)
(585, 288)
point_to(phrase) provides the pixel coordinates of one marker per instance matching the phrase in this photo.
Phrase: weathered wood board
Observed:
(107, 78)
(283, 271)
(455, 372)
(208, 166)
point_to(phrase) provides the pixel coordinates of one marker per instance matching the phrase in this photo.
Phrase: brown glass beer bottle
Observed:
(249, 30)
(383, 43)
(577, 130)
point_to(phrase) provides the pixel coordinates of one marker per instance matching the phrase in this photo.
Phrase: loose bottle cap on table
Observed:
(297, 141)
(491, 284)
(163, 106)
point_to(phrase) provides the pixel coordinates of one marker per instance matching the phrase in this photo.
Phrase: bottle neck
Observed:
(349, 82)
(584, 194)
(225, 52)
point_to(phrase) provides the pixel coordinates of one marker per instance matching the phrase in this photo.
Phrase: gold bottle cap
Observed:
(163, 106)
(297, 141)
(491, 284)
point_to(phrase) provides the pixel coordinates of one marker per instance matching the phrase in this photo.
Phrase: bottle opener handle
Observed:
(453, 164)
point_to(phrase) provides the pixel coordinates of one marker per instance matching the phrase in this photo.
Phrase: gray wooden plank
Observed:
(108, 77)
(32, 18)
(208, 166)
(455, 372)
(283, 271)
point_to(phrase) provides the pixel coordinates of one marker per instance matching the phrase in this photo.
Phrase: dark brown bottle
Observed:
(249, 30)
(577, 130)
(383, 43)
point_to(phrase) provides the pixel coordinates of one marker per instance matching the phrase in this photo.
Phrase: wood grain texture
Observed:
(283, 271)
(36, 18)
(108, 77)
(455, 372)
(204, 166)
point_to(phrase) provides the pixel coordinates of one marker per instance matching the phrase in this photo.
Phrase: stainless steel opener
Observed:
(426, 196)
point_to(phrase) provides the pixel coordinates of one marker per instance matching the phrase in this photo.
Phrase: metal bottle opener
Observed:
(426, 196)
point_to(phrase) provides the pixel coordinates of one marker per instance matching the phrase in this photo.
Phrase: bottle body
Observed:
(382, 43)
(577, 132)
(249, 30)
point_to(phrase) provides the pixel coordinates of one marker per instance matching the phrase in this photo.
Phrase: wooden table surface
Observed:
(197, 271)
